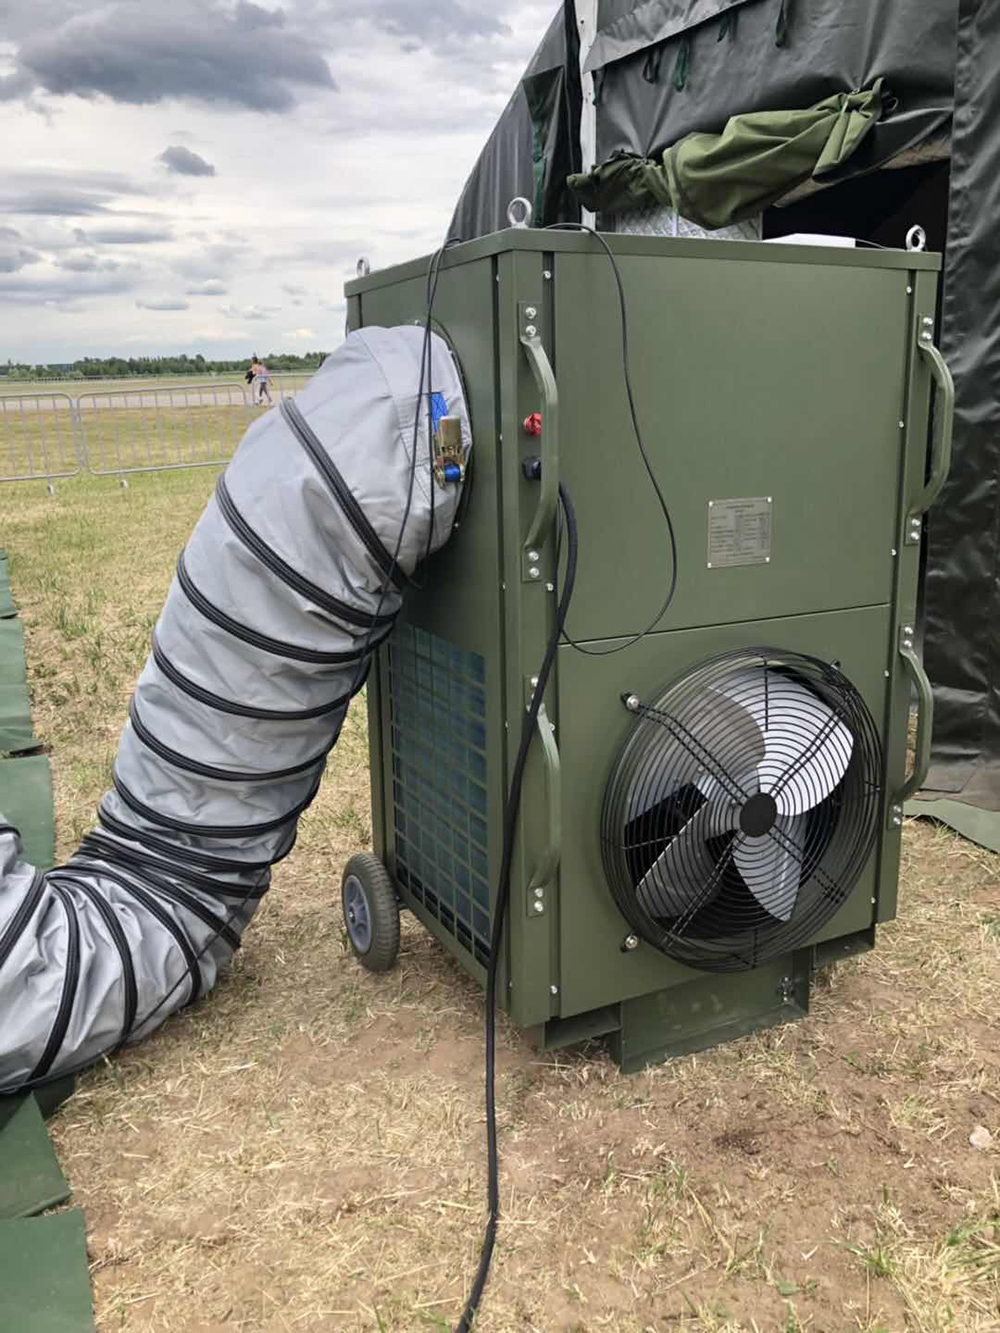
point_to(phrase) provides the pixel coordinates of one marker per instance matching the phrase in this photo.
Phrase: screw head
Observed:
(631, 943)
(553, 990)
(902, 425)
(533, 557)
(633, 703)
(534, 572)
(539, 894)
(547, 275)
(894, 553)
(550, 587)
(531, 330)
(531, 312)
(539, 908)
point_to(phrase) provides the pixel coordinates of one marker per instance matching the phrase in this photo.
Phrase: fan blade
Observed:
(770, 871)
(676, 882)
(807, 749)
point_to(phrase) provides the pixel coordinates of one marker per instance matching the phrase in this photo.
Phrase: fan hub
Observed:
(759, 816)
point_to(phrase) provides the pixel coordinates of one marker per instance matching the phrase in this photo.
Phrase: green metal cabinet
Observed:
(798, 374)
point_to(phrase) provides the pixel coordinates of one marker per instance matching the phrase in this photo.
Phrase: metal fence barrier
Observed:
(153, 430)
(116, 432)
(39, 437)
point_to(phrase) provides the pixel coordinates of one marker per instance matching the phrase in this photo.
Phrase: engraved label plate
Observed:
(739, 532)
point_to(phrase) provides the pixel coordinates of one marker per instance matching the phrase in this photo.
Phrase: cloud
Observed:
(13, 258)
(184, 162)
(164, 303)
(249, 311)
(298, 333)
(444, 19)
(59, 290)
(293, 289)
(48, 192)
(87, 264)
(116, 235)
(190, 51)
(212, 287)
(249, 15)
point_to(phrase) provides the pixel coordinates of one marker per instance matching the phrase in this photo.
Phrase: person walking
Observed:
(261, 380)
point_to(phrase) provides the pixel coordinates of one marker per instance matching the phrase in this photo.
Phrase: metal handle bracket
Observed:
(540, 884)
(541, 368)
(941, 455)
(925, 726)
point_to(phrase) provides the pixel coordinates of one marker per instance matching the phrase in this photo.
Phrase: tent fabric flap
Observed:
(535, 145)
(962, 595)
(664, 69)
(717, 180)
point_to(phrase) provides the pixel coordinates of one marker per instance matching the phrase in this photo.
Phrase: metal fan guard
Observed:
(674, 745)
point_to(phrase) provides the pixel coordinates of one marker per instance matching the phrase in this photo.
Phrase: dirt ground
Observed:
(304, 1150)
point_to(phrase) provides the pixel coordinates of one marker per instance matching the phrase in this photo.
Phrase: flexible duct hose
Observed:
(285, 587)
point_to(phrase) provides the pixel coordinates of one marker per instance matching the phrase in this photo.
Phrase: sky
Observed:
(202, 175)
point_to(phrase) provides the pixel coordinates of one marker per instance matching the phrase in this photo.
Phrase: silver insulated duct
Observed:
(287, 584)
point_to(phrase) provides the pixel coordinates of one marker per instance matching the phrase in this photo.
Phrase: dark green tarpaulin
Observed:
(716, 180)
(665, 69)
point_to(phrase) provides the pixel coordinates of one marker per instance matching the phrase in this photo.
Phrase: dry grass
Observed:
(303, 1150)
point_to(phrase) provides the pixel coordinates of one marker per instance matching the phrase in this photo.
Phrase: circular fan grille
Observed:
(743, 808)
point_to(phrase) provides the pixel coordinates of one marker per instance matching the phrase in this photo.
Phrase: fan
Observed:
(743, 808)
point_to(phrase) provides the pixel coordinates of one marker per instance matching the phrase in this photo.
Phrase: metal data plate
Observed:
(739, 532)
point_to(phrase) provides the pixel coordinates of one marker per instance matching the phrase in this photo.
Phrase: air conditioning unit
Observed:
(716, 809)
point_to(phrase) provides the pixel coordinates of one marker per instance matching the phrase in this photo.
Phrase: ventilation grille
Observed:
(437, 704)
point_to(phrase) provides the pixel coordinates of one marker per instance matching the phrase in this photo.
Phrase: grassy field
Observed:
(303, 1150)
(75, 387)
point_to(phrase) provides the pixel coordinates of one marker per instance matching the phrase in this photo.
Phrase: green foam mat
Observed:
(7, 607)
(15, 719)
(13, 670)
(26, 802)
(44, 1280)
(30, 1178)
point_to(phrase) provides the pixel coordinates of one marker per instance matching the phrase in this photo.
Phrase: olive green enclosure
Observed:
(793, 379)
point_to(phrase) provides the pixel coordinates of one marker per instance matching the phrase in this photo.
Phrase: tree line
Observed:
(118, 367)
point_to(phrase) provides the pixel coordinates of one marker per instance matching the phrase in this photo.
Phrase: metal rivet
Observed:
(553, 990)
(894, 553)
(909, 291)
(633, 703)
(547, 275)
(534, 572)
(533, 557)
(539, 907)
(767, 560)
(531, 330)
(539, 893)
(534, 682)
(902, 425)
(886, 674)
(631, 943)
(550, 587)
(770, 501)
(710, 564)
(531, 312)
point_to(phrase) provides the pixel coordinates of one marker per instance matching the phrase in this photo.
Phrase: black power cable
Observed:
(511, 813)
(433, 275)
(647, 464)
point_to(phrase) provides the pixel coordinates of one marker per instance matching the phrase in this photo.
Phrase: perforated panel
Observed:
(437, 704)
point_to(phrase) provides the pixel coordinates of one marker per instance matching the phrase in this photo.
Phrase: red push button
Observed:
(533, 424)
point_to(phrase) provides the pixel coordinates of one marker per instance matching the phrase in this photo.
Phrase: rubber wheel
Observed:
(371, 912)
